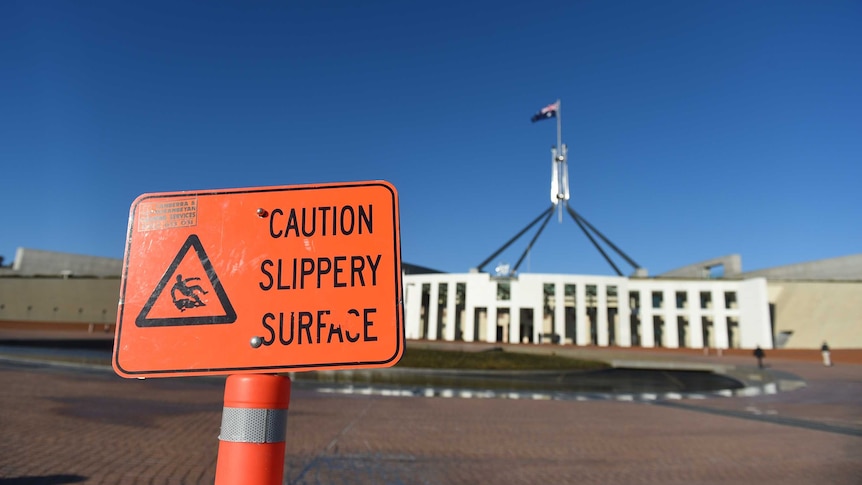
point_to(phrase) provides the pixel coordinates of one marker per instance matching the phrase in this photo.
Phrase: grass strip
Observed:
(492, 360)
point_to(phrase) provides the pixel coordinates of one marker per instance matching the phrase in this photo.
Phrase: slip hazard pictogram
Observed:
(189, 293)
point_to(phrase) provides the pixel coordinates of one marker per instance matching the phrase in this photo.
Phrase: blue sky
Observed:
(695, 129)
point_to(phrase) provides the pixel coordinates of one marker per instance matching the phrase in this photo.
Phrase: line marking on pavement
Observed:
(766, 418)
(332, 443)
(349, 426)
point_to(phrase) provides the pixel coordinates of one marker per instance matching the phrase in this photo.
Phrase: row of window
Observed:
(504, 293)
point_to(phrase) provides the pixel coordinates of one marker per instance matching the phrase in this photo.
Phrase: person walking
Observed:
(759, 354)
(827, 358)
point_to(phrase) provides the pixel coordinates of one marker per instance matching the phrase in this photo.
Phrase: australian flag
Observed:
(549, 111)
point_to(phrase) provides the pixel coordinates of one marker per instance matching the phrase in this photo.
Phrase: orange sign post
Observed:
(261, 280)
(253, 428)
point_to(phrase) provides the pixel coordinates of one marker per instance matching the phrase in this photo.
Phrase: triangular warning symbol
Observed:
(189, 293)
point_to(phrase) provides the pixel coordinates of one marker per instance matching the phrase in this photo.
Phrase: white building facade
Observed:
(588, 310)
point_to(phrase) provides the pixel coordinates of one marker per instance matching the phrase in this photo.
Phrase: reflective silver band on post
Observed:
(244, 425)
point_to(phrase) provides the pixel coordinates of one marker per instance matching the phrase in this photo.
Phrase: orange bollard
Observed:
(253, 429)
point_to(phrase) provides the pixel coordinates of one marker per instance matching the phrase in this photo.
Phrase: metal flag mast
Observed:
(559, 200)
(559, 166)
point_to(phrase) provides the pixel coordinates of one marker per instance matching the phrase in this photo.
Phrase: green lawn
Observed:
(492, 360)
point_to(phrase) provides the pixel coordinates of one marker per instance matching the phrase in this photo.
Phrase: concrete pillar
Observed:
(624, 329)
(670, 312)
(514, 325)
(695, 323)
(539, 323)
(470, 313)
(583, 322)
(412, 306)
(560, 311)
(449, 333)
(432, 311)
(602, 314)
(720, 319)
(469, 323)
(754, 323)
(647, 312)
(491, 325)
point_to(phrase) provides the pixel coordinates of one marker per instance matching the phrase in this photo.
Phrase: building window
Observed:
(504, 290)
(705, 300)
(730, 302)
(549, 299)
(503, 319)
(425, 309)
(708, 333)
(570, 291)
(634, 301)
(657, 299)
(549, 315)
(571, 317)
(682, 332)
(658, 331)
(460, 317)
(681, 300)
(734, 337)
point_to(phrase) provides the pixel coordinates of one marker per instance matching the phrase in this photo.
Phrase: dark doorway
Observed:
(526, 325)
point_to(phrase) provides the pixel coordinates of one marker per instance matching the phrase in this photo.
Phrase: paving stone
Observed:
(71, 425)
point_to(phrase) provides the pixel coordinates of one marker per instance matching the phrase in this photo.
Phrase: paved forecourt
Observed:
(74, 425)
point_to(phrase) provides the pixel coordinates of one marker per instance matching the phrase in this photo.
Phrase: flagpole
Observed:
(560, 153)
(559, 126)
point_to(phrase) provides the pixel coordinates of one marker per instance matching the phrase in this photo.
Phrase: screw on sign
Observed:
(258, 281)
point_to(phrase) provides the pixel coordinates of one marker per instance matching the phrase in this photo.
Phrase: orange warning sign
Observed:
(261, 280)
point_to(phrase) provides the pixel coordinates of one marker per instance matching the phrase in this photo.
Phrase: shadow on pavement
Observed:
(43, 480)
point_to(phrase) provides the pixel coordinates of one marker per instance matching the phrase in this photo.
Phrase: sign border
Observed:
(399, 297)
